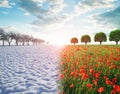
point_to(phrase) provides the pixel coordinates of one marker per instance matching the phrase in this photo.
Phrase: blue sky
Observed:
(57, 21)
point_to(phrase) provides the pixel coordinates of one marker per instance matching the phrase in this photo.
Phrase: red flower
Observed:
(97, 75)
(84, 76)
(61, 76)
(116, 88)
(89, 86)
(114, 80)
(95, 82)
(72, 85)
(113, 92)
(72, 73)
(101, 89)
(91, 70)
(82, 71)
(108, 82)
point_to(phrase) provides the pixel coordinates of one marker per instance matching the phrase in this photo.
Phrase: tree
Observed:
(115, 36)
(28, 39)
(10, 37)
(74, 40)
(22, 39)
(37, 41)
(3, 36)
(100, 37)
(17, 36)
(86, 39)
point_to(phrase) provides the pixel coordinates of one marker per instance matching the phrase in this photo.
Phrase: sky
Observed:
(57, 21)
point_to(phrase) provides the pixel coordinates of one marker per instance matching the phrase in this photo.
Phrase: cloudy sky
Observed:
(57, 21)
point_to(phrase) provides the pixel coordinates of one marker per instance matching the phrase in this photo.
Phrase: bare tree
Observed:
(10, 37)
(16, 36)
(3, 36)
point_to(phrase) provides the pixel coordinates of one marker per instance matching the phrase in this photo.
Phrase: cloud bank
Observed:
(110, 18)
(46, 11)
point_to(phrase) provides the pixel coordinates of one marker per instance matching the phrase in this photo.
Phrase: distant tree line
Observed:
(19, 39)
(99, 37)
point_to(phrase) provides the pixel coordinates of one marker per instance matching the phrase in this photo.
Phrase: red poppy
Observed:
(116, 88)
(108, 82)
(101, 89)
(84, 76)
(61, 76)
(72, 85)
(89, 86)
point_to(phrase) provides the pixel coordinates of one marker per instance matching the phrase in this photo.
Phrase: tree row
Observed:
(19, 39)
(99, 37)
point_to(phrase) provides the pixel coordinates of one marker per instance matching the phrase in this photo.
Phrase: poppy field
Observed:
(90, 70)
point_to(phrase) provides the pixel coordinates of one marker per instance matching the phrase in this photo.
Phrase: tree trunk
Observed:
(85, 43)
(23, 43)
(16, 42)
(27, 43)
(9, 43)
(100, 43)
(116, 42)
(3, 42)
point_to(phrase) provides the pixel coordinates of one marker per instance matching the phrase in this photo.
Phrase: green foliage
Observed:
(115, 36)
(100, 37)
(74, 40)
(85, 38)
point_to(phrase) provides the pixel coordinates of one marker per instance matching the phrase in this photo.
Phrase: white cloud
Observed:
(40, 1)
(110, 18)
(89, 5)
(26, 14)
(11, 28)
(6, 4)
(56, 5)
(4, 12)
(46, 11)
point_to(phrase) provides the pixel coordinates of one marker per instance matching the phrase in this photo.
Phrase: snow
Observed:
(29, 69)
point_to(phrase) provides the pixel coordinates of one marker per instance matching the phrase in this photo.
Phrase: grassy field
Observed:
(90, 70)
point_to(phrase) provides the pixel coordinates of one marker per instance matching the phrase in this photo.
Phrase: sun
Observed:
(60, 41)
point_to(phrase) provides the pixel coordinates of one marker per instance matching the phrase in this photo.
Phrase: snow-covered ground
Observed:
(29, 69)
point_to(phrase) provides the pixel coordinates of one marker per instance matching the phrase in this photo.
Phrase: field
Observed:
(29, 69)
(90, 70)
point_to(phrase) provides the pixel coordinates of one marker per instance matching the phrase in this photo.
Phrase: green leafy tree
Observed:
(115, 36)
(74, 40)
(100, 37)
(86, 39)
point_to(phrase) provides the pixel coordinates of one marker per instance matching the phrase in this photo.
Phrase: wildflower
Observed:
(72, 85)
(115, 59)
(89, 86)
(91, 70)
(113, 92)
(108, 82)
(95, 82)
(84, 76)
(72, 73)
(101, 89)
(97, 75)
(116, 88)
(82, 71)
(114, 80)
(61, 76)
